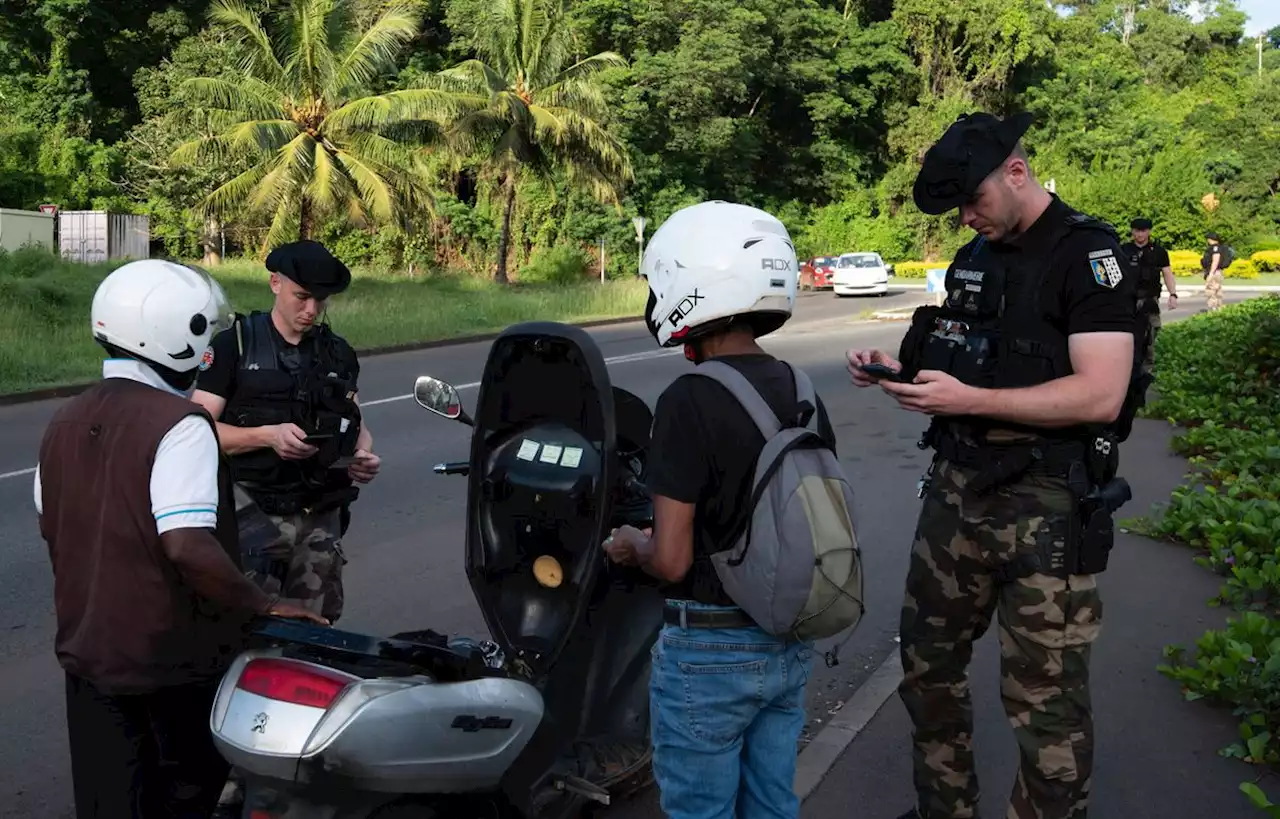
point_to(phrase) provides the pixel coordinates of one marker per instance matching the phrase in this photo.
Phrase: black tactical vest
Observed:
(1146, 276)
(275, 385)
(991, 331)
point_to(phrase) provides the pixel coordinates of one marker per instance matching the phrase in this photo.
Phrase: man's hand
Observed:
(857, 358)
(283, 608)
(1173, 301)
(365, 467)
(289, 442)
(934, 392)
(623, 543)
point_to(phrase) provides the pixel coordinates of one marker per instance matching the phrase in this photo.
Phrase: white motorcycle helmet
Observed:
(717, 263)
(161, 313)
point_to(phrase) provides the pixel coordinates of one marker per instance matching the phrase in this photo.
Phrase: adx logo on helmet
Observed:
(775, 264)
(683, 308)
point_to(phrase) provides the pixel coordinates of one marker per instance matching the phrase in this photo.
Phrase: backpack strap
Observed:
(805, 394)
(737, 384)
(751, 400)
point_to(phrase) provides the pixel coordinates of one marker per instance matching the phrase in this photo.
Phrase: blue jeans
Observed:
(727, 708)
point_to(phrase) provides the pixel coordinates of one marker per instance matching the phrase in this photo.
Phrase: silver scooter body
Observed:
(389, 735)
(328, 724)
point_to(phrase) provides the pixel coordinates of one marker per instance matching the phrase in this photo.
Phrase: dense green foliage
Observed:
(816, 109)
(1219, 376)
(45, 301)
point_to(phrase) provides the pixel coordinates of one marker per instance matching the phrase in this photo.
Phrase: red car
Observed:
(816, 273)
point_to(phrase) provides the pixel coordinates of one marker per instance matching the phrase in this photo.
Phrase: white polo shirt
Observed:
(184, 477)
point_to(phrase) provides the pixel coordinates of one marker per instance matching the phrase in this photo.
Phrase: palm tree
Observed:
(300, 109)
(526, 108)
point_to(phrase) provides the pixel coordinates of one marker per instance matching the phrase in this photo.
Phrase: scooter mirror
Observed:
(438, 396)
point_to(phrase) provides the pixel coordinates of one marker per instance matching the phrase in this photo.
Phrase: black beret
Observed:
(1214, 236)
(1140, 224)
(973, 147)
(311, 266)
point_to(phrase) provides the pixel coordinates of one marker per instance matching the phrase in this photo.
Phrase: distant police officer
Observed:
(283, 387)
(1026, 369)
(1213, 263)
(1148, 262)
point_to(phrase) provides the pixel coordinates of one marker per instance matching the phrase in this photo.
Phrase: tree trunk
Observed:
(504, 236)
(305, 218)
(212, 242)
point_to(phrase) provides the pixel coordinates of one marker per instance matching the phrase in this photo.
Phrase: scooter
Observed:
(550, 716)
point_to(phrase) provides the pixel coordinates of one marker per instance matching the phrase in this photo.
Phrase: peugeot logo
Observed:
(260, 722)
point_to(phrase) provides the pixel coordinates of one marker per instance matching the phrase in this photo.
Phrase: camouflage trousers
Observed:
(1213, 290)
(1046, 627)
(304, 563)
(1153, 321)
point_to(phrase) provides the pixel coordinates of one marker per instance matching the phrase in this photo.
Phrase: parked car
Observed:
(816, 273)
(860, 274)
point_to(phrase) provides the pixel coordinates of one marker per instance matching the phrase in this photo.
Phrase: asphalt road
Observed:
(405, 542)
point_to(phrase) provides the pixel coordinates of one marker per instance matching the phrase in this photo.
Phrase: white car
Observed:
(859, 274)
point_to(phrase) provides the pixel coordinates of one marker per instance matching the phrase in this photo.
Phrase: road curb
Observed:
(821, 754)
(68, 390)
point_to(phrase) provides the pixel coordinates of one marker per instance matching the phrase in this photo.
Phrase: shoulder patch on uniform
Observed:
(206, 360)
(1106, 271)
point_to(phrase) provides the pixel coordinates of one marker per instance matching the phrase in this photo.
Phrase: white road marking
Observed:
(618, 359)
(17, 474)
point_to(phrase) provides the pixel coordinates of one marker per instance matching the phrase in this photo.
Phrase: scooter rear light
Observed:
(291, 682)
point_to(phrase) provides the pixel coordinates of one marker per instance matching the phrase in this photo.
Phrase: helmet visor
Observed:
(219, 312)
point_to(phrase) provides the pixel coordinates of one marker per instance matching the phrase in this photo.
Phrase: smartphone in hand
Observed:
(880, 371)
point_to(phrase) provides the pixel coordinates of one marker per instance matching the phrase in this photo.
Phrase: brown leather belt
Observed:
(702, 618)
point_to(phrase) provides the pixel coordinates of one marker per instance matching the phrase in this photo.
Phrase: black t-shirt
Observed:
(1086, 289)
(220, 364)
(704, 452)
(1215, 249)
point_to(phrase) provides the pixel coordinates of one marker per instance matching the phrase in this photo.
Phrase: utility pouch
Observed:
(1102, 459)
(912, 347)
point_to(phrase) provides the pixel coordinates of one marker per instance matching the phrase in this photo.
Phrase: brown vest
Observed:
(126, 620)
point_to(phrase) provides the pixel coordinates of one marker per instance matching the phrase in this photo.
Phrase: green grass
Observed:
(44, 311)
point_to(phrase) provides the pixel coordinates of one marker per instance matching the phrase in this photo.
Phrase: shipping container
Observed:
(96, 235)
(20, 227)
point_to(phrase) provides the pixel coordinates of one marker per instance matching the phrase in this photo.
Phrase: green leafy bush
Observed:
(562, 264)
(1218, 374)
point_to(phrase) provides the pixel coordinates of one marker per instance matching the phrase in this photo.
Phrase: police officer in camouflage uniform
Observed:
(1212, 262)
(1027, 370)
(283, 387)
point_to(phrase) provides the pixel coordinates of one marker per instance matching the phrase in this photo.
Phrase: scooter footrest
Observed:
(582, 787)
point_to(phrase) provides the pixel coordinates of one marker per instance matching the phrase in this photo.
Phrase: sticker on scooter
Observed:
(572, 457)
(260, 722)
(547, 571)
(551, 453)
(527, 450)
